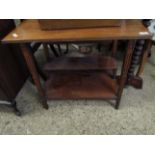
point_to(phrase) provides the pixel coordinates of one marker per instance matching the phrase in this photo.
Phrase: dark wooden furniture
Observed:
(13, 70)
(139, 58)
(51, 24)
(87, 81)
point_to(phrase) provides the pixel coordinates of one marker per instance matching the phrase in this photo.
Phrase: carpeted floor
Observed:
(135, 116)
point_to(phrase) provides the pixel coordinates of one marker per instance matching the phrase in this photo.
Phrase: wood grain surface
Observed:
(30, 31)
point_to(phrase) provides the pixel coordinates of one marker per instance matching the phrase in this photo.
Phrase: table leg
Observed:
(33, 70)
(32, 50)
(124, 72)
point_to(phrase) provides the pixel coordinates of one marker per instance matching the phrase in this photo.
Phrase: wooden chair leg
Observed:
(114, 48)
(59, 49)
(67, 49)
(36, 46)
(34, 72)
(46, 51)
(124, 72)
(54, 50)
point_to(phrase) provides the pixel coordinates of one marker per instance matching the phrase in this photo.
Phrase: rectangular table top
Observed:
(30, 31)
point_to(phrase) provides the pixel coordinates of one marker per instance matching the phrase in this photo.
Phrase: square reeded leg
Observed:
(33, 70)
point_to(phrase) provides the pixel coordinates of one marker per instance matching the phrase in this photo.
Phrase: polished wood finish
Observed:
(30, 31)
(92, 63)
(51, 24)
(80, 86)
(32, 67)
(124, 72)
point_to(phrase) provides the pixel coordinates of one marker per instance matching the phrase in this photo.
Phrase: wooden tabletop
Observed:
(30, 31)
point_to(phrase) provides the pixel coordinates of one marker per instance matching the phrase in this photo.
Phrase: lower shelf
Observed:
(81, 86)
(92, 63)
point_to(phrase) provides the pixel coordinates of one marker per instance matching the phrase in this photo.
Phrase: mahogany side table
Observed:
(81, 80)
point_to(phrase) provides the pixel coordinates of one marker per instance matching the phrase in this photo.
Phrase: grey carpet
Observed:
(135, 116)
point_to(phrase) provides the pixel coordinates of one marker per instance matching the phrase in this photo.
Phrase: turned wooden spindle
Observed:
(138, 51)
(136, 57)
